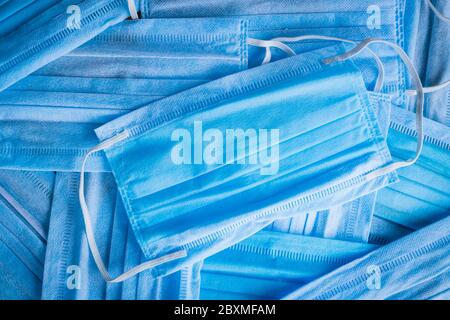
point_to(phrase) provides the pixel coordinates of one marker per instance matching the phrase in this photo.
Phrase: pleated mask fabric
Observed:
(53, 29)
(398, 268)
(271, 264)
(57, 108)
(245, 210)
(70, 272)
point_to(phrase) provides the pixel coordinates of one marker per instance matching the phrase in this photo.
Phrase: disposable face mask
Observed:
(392, 269)
(436, 288)
(422, 196)
(437, 105)
(268, 265)
(350, 221)
(70, 272)
(14, 14)
(56, 112)
(29, 195)
(339, 130)
(384, 231)
(22, 237)
(344, 19)
(430, 28)
(54, 32)
(17, 281)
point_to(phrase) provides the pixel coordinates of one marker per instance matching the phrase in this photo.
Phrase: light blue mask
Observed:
(429, 27)
(353, 20)
(437, 104)
(437, 288)
(384, 231)
(57, 108)
(339, 130)
(422, 196)
(54, 32)
(70, 272)
(350, 221)
(24, 208)
(30, 195)
(269, 265)
(13, 13)
(398, 268)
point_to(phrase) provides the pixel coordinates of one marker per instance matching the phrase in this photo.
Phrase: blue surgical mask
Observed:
(29, 193)
(62, 105)
(308, 152)
(422, 196)
(354, 20)
(14, 14)
(24, 208)
(54, 32)
(350, 221)
(398, 267)
(434, 289)
(429, 27)
(437, 105)
(384, 231)
(268, 265)
(70, 272)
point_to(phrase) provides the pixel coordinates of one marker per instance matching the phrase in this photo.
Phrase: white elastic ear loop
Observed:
(278, 43)
(132, 9)
(436, 12)
(429, 89)
(90, 234)
(270, 44)
(420, 101)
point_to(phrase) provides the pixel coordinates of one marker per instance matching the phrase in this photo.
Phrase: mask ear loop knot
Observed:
(279, 43)
(419, 102)
(90, 233)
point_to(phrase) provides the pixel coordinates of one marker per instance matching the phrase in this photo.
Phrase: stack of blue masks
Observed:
(270, 265)
(284, 19)
(310, 137)
(422, 195)
(128, 66)
(413, 267)
(297, 147)
(49, 98)
(70, 272)
(287, 20)
(52, 29)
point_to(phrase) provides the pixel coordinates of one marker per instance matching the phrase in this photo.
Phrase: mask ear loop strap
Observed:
(270, 44)
(432, 89)
(436, 12)
(279, 43)
(132, 8)
(419, 103)
(90, 234)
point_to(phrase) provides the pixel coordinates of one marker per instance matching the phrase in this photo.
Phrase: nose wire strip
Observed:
(419, 102)
(279, 43)
(90, 233)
